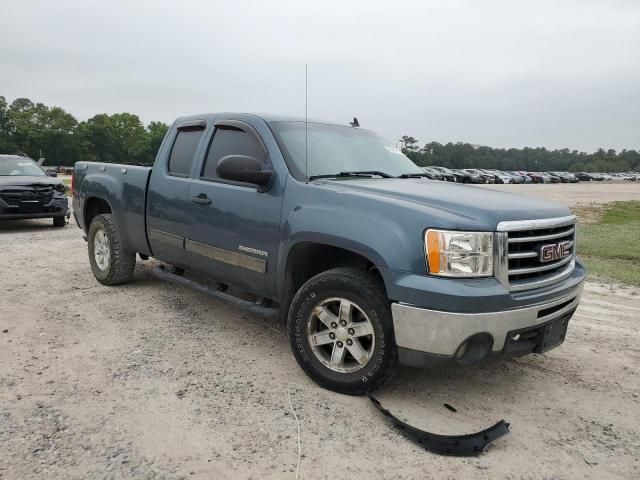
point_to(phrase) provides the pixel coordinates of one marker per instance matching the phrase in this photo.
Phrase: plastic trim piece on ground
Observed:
(455, 445)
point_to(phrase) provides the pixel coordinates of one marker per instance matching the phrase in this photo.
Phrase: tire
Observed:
(59, 221)
(116, 263)
(370, 312)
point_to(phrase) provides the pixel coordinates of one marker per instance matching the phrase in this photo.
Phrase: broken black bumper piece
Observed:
(454, 445)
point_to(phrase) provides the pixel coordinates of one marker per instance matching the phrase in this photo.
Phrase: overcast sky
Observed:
(500, 73)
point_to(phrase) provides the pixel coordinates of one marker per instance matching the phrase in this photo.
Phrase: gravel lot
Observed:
(151, 380)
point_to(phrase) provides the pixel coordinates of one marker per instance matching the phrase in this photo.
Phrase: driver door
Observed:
(233, 228)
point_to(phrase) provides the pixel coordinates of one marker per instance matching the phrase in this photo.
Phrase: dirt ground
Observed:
(150, 380)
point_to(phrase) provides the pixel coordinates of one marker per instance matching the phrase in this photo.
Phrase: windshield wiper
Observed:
(357, 173)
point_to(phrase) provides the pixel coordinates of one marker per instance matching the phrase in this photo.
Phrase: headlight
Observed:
(459, 254)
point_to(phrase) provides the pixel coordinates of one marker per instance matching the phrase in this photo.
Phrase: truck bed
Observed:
(124, 187)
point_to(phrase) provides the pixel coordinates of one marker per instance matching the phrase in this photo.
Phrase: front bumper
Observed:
(58, 206)
(427, 337)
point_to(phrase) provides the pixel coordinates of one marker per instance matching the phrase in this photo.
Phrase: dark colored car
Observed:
(27, 191)
(560, 176)
(467, 177)
(448, 174)
(486, 177)
(548, 178)
(535, 177)
(432, 174)
(563, 176)
(584, 177)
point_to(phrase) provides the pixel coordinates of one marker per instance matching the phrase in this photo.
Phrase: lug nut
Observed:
(349, 342)
(340, 344)
(334, 325)
(332, 335)
(351, 331)
(343, 323)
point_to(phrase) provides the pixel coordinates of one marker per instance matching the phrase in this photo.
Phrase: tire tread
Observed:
(123, 262)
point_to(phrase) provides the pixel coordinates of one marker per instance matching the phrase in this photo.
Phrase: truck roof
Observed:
(267, 117)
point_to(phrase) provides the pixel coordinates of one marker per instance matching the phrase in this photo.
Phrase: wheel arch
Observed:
(306, 259)
(94, 206)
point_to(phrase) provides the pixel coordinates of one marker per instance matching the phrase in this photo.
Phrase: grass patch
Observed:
(622, 213)
(613, 270)
(611, 247)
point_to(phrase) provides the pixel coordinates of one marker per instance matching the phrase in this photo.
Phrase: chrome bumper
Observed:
(441, 333)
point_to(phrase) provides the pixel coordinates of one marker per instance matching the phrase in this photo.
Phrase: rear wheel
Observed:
(341, 331)
(110, 263)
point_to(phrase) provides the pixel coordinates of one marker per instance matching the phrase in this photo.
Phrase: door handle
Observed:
(201, 199)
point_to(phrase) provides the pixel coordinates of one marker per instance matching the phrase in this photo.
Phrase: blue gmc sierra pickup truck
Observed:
(333, 228)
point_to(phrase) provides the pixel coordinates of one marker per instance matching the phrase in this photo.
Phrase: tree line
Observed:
(466, 155)
(50, 132)
(41, 131)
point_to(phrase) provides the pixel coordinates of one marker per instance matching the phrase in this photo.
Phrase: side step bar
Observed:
(165, 274)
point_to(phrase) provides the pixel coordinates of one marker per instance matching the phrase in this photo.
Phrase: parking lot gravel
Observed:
(151, 380)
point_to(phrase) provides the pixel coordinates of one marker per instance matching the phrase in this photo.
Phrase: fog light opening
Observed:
(474, 348)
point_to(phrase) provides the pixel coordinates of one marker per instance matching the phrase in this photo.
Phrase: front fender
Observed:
(376, 235)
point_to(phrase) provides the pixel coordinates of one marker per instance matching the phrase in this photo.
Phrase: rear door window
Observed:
(183, 151)
(229, 141)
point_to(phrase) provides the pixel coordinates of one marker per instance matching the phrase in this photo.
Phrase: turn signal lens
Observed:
(459, 254)
(433, 250)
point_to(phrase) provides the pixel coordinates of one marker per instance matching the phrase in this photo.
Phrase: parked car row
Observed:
(483, 175)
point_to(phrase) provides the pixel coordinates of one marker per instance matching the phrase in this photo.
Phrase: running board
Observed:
(162, 272)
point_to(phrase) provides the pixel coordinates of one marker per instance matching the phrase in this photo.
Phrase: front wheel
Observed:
(59, 221)
(341, 331)
(110, 262)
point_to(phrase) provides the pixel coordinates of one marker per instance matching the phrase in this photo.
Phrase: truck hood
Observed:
(467, 206)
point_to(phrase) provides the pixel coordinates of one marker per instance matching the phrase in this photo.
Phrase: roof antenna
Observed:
(355, 123)
(306, 129)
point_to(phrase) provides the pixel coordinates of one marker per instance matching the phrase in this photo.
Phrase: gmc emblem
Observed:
(555, 251)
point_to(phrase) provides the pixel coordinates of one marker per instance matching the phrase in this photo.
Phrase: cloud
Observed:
(500, 73)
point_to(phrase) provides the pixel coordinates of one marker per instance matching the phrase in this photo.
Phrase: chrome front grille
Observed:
(521, 263)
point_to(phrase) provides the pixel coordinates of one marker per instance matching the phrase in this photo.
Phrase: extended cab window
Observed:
(229, 141)
(184, 150)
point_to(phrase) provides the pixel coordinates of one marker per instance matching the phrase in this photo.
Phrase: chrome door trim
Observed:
(166, 237)
(226, 256)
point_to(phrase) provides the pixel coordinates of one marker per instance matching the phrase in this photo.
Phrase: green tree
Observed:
(7, 143)
(465, 155)
(409, 144)
(157, 131)
(120, 137)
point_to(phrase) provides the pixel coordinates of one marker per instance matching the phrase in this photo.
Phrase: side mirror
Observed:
(51, 173)
(241, 168)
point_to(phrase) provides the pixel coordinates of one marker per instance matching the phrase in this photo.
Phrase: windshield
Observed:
(334, 149)
(20, 166)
